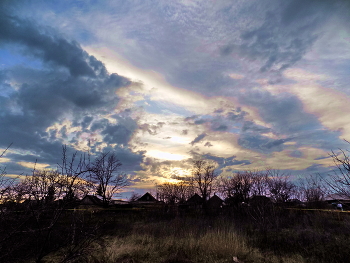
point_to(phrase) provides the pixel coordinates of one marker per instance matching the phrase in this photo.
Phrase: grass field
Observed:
(284, 236)
(260, 234)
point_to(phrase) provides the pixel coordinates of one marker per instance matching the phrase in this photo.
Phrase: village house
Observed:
(147, 201)
(90, 201)
(214, 204)
(335, 199)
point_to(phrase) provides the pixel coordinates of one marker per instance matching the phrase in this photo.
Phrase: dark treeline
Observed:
(239, 188)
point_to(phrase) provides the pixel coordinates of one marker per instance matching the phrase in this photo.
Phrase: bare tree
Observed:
(134, 197)
(172, 193)
(260, 183)
(237, 188)
(312, 189)
(107, 177)
(6, 183)
(73, 172)
(203, 176)
(339, 181)
(43, 186)
(280, 187)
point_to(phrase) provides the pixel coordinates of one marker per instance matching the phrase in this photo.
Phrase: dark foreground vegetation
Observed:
(44, 217)
(142, 235)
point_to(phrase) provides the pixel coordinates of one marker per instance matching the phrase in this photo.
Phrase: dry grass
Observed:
(286, 237)
(180, 241)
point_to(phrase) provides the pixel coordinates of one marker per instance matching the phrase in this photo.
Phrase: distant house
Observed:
(337, 198)
(147, 197)
(147, 201)
(195, 202)
(90, 200)
(215, 203)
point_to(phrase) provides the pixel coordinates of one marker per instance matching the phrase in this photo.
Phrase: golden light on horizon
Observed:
(166, 155)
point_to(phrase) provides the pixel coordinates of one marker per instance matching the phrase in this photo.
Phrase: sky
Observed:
(247, 84)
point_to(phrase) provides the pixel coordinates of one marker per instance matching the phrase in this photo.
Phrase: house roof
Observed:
(195, 199)
(338, 197)
(215, 201)
(147, 197)
(90, 200)
(215, 198)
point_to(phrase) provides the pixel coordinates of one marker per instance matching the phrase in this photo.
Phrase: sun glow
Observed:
(166, 155)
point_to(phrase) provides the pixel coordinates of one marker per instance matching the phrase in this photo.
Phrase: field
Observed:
(276, 235)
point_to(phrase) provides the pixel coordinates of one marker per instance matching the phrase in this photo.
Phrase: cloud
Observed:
(66, 98)
(228, 161)
(208, 144)
(238, 89)
(251, 126)
(120, 133)
(284, 112)
(288, 31)
(198, 139)
(46, 45)
(259, 143)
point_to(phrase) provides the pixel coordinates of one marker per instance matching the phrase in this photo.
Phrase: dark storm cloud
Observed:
(56, 95)
(198, 138)
(119, 133)
(68, 82)
(236, 115)
(218, 121)
(15, 168)
(49, 47)
(259, 143)
(151, 128)
(251, 126)
(208, 144)
(86, 122)
(223, 162)
(221, 127)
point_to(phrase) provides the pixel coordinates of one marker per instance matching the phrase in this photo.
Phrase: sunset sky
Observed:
(249, 84)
